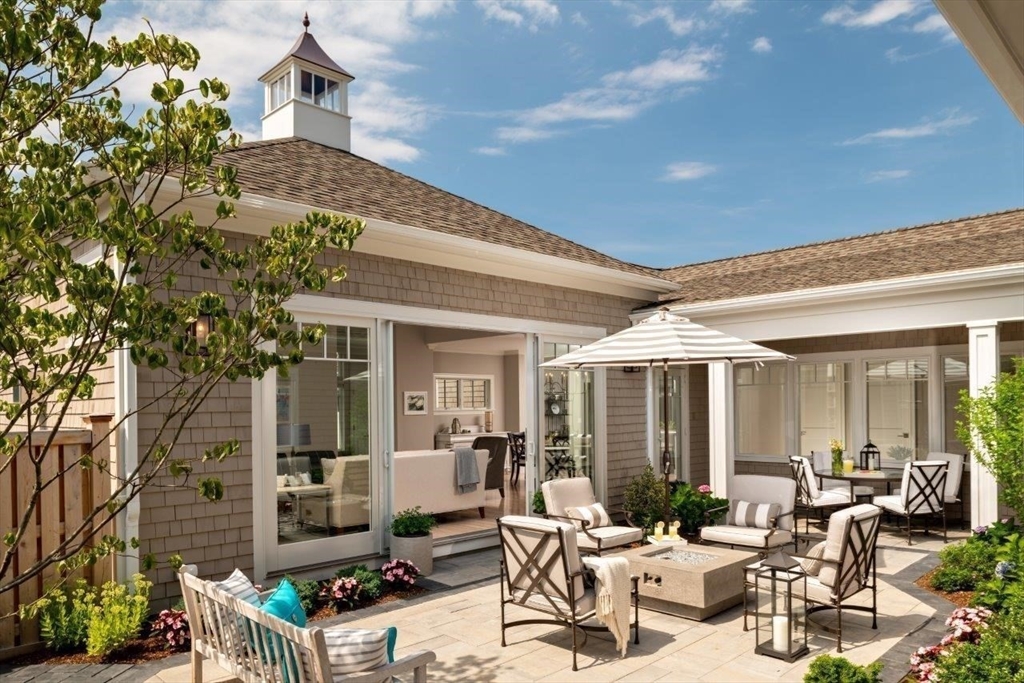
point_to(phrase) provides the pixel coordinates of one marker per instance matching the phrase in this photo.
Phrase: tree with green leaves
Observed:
(80, 171)
(994, 420)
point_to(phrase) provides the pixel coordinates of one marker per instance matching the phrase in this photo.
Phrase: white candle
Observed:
(780, 634)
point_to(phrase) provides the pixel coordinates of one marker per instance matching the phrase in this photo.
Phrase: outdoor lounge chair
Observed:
(497, 448)
(541, 570)
(809, 496)
(765, 531)
(578, 492)
(838, 568)
(922, 494)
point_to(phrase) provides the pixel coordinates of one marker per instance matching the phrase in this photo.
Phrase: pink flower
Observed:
(704, 488)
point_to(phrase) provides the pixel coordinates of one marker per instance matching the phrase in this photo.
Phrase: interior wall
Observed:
(510, 363)
(414, 371)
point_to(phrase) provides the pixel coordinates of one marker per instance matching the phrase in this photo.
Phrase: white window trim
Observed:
(460, 409)
(858, 391)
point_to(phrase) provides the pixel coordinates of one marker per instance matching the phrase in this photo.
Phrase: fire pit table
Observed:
(689, 581)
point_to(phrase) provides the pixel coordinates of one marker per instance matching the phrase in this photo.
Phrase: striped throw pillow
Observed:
(594, 515)
(352, 650)
(757, 515)
(239, 586)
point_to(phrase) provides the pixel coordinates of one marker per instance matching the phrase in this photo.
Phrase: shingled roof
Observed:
(974, 242)
(298, 170)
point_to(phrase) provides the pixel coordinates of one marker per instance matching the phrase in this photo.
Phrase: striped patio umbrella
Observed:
(666, 339)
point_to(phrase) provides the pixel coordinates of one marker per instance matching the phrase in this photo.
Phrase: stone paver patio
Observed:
(459, 620)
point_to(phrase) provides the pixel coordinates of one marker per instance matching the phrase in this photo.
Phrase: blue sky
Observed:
(661, 133)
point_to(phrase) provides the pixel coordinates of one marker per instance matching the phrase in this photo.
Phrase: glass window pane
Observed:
(446, 392)
(898, 410)
(314, 350)
(824, 406)
(306, 83)
(359, 348)
(955, 379)
(761, 412)
(332, 99)
(319, 89)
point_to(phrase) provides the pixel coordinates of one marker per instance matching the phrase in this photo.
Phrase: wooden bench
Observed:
(238, 637)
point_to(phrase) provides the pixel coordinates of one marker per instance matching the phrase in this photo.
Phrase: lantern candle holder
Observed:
(870, 457)
(780, 585)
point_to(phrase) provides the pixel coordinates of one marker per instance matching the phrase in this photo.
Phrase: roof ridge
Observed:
(651, 271)
(848, 238)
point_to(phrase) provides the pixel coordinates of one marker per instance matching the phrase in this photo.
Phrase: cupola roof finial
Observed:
(305, 23)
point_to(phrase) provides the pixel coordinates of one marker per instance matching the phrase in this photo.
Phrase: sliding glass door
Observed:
(320, 461)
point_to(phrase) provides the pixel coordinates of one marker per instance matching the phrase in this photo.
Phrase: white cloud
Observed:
(237, 47)
(580, 20)
(881, 176)
(672, 67)
(491, 151)
(620, 95)
(688, 170)
(951, 120)
(665, 13)
(881, 12)
(935, 23)
(519, 13)
(761, 45)
(731, 6)
(517, 134)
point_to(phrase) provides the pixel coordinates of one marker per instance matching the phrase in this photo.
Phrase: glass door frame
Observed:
(277, 558)
(535, 440)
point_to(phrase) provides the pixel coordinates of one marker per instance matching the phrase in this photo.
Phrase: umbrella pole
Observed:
(666, 456)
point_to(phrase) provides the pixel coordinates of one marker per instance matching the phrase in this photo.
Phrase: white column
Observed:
(983, 366)
(721, 431)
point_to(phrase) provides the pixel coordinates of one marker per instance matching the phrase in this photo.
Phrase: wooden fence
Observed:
(63, 507)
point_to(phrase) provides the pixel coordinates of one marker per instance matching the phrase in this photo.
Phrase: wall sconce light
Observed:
(200, 331)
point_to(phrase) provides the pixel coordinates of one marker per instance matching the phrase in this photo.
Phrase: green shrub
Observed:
(371, 581)
(644, 499)
(1005, 582)
(412, 522)
(998, 657)
(965, 565)
(64, 616)
(689, 504)
(119, 616)
(309, 593)
(828, 669)
(538, 505)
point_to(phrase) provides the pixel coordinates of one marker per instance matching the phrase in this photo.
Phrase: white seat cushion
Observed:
(585, 604)
(750, 537)
(816, 590)
(857, 490)
(832, 497)
(890, 503)
(611, 537)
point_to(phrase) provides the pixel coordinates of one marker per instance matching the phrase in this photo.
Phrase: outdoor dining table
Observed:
(866, 477)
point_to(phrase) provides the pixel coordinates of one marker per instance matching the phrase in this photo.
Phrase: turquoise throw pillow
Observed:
(284, 603)
(392, 637)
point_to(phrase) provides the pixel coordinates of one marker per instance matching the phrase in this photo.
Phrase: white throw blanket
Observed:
(612, 574)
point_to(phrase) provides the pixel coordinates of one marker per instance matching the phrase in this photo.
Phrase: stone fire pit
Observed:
(694, 582)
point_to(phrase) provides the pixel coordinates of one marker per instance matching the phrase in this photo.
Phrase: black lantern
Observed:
(200, 331)
(780, 585)
(870, 457)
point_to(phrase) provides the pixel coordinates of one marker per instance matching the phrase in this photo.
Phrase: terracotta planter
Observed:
(417, 549)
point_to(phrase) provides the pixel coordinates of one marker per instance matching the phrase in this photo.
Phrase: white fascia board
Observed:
(256, 215)
(920, 302)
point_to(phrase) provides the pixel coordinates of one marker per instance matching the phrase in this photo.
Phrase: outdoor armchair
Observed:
(810, 497)
(952, 494)
(541, 570)
(838, 568)
(922, 494)
(752, 526)
(561, 495)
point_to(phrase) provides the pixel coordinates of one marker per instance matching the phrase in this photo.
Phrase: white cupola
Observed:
(307, 96)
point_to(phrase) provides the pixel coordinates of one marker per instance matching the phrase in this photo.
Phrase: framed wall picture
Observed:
(415, 403)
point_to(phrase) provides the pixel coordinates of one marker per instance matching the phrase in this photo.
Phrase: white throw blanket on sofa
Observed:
(612, 586)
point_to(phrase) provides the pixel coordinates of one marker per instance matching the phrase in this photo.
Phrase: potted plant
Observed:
(411, 539)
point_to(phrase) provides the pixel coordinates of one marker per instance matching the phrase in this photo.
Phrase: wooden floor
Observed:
(468, 522)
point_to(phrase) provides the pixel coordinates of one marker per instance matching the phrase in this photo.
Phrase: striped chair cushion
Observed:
(757, 515)
(239, 586)
(352, 650)
(594, 515)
